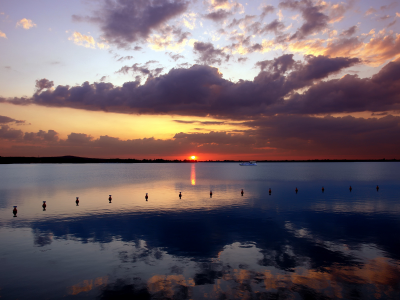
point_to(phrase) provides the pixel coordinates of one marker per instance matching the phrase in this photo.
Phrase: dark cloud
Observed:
(274, 136)
(266, 10)
(208, 54)
(246, 21)
(201, 91)
(219, 138)
(275, 26)
(331, 137)
(43, 84)
(218, 16)
(242, 59)
(143, 70)
(8, 133)
(123, 58)
(185, 122)
(319, 67)
(103, 78)
(184, 65)
(124, 22)
(316, 67)
(175, 57)
(200, 122)
(350, 93)
(350, 31)
(278, 65)
(79, 138)
(384, 17)
(49, 136)
(7, 120)
(211, 123)
(314, 19)
(137, 48)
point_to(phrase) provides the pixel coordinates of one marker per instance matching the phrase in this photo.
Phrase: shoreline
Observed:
(87, 160)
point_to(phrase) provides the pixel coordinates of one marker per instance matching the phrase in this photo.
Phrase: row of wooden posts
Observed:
(180, 196)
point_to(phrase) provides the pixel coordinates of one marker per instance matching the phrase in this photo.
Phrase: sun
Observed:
(193, 157)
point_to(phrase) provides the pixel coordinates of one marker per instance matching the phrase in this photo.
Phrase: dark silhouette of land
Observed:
(87, 160)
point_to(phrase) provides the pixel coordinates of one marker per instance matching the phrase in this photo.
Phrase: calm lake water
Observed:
(336, 244)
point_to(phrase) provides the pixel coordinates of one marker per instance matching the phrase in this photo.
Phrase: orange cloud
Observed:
(25, 23)
(86, 41)
(375, 52)
(166, 284)
(87, 285)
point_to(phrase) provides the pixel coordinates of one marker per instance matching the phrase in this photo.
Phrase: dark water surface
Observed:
(336, 244)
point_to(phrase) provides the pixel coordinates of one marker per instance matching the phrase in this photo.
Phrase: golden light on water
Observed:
(193, 174)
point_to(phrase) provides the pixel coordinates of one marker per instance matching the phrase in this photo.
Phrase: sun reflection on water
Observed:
(193, 174)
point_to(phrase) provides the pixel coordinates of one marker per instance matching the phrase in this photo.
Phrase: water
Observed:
(334, 244)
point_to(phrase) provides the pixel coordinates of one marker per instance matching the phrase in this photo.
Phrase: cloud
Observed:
(314, 19)
(244, 46)
(189, 20)
(201, 91)
(349, 94)
(350, 31)
(175, 57)
(43, 84)
(49, 136)
(274, 26)
(7, 120)
(375, 51)
(25, 23)
(123, 58)
(78, 138)
(170, 38)
(200, 122)
(208, 54)
(2, 34)
(124, 22)
(280, 136)
(329, 136)
(243, 23)
(8, 133)
(218, 16)
(226, 5)
(265, 10)
(86, 41)
(143, 70)
(336, 11)
(370, 11)
(390, 6)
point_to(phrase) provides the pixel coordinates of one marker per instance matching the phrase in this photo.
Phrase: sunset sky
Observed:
(219, 79)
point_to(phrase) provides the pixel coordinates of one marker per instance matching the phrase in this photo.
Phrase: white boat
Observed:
(249, 163)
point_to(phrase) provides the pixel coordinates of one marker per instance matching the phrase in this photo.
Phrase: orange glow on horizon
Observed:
(193, 157)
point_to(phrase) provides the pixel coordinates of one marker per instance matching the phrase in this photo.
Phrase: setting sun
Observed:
(193, 157)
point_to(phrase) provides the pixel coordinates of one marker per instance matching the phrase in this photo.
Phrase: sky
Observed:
(218, 79)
